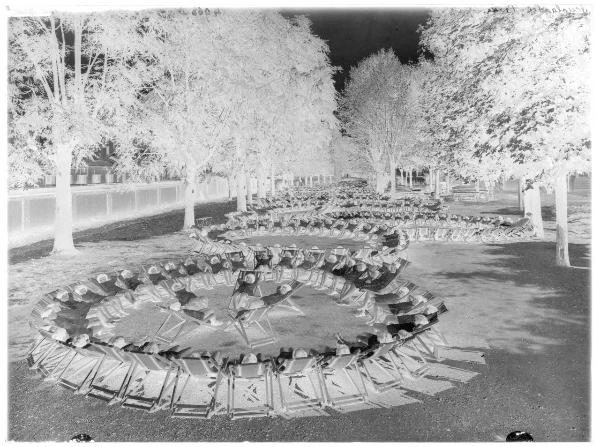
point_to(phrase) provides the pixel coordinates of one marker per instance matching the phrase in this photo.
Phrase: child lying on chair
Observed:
(197, 308)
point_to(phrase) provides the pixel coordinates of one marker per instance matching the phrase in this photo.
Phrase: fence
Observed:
(32, 211)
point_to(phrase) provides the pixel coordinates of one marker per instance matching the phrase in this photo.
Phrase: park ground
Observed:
(529, 318)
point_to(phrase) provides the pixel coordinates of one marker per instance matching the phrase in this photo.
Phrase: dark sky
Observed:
(353, 34)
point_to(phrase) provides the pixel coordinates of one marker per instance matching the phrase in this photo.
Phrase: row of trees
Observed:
(234, 92)
(506, 94)
(380, 114)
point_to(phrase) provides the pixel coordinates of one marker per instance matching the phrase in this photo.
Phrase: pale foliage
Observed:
(380, 108)
(68, 94)
(510, 90)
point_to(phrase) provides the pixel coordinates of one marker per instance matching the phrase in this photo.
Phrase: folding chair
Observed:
(46, 355)
(382, 369)
(150, 377)
(198, 394)
(109, 284)
(81, 368)
(170, 328)
(286, 301)
(111, 376)
(299, 384)
(250, 390)
(250, 289)
(258, 319)
(87, 292)
(339, 388)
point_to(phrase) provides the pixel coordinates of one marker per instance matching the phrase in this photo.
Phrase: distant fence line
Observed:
(33, 210)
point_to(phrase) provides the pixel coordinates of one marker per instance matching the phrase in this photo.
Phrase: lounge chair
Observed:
(250, 390)
(147, 382)
(197, 388)
(258, 319)
(340, 389)
(299, 384)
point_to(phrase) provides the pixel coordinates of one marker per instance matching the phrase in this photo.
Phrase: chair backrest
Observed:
(296, 366)
(248, 370)
(342, 361)
(111, 352)
(383, 349)
(197, 367)
(151, 362)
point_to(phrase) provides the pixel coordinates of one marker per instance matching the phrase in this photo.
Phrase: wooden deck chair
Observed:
(250, 289)
(108, 283)
(250, 390)
(299, 384)
(41, 346)
(255, 319)
(150, 377)
(198, 389)
(44, 308)
(382, 369)
(46, 355)
(112, 375)
(340, 389)
(430, 338)
(285, 301)
(54, 365)
(81, 368)
(170, 328)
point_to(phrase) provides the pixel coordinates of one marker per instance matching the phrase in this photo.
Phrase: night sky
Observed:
(353, 34)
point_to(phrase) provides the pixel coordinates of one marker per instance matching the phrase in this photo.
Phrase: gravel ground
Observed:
(530, 318)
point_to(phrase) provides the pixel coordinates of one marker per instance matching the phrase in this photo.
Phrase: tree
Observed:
(185, 107)
(284, 114)
(378, 109)
(520, 80)
(73, 78)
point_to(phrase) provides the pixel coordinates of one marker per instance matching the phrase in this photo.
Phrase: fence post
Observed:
(108, 203)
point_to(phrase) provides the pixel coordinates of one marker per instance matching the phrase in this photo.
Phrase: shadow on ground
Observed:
(130, 230)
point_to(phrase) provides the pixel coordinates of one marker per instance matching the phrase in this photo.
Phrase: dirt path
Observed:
(531, 319)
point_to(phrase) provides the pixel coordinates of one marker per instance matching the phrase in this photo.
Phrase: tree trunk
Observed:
(393, 176)
(379, 182)
(436, 174)
(520, 188)
(272, 180)
(241, 193)
(63, 221)
(189, 197)
(248, 189)
(533, 207)
(410, 178)
(447, 181)
(430, 179)
(562, 231)
(261, 178)
(229, 187)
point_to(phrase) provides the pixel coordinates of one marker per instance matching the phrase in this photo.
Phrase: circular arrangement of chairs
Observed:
(351, 211)
(80, 347)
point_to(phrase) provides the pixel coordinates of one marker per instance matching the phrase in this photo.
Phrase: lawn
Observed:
(529, 318)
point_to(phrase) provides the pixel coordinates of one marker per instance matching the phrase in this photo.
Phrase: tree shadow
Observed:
(548, 212)
(129, 230)
(526, 303)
